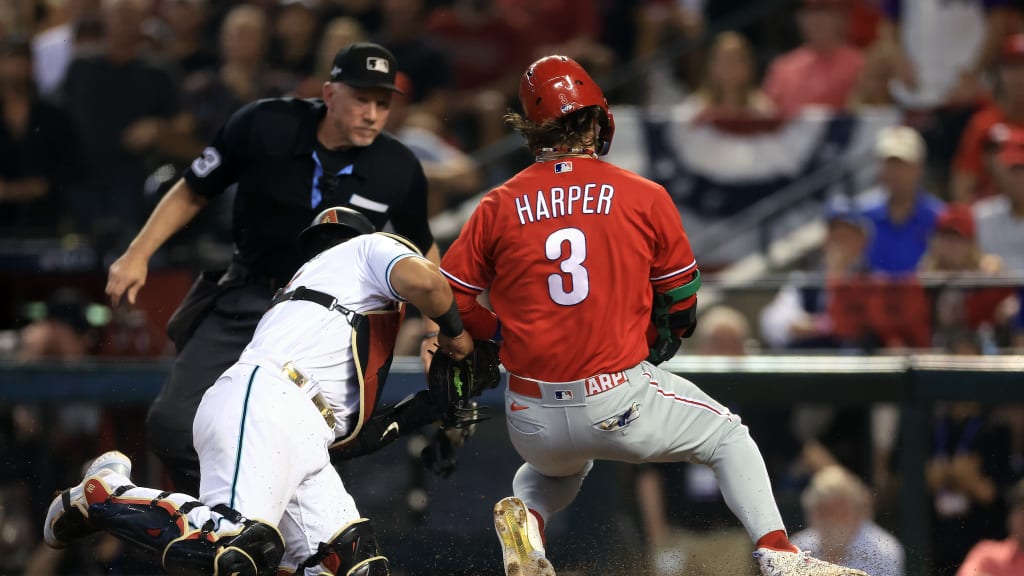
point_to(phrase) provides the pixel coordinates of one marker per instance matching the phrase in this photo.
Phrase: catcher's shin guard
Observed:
(255, 550)
(352, 551)
(160, 527)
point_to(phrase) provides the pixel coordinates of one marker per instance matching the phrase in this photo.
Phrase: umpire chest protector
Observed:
(373, 347)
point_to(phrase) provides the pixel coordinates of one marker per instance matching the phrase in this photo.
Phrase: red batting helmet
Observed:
(556, 86)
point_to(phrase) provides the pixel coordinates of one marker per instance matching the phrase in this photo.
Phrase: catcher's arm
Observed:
(389, 423)
(451, 387)
(420, 282)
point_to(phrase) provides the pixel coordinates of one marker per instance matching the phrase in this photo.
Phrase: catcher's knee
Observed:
(352, 551)
(255, 550)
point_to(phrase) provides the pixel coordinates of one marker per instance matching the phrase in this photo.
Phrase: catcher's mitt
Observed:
(454, 383)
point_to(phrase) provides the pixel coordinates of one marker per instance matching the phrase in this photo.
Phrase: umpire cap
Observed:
(365, 65)
(333, 226)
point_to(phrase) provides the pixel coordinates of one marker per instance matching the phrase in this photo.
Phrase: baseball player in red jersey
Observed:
(582, 260)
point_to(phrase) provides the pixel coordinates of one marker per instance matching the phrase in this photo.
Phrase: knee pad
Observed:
(352, 551)
(255, 550)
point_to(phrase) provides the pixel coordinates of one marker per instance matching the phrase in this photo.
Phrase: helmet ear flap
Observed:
(606, 132)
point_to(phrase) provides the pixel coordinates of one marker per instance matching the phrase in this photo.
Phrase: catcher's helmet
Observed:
(332, 226)
(556, 86)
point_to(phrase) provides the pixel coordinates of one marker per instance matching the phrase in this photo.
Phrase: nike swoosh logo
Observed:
(517, 407)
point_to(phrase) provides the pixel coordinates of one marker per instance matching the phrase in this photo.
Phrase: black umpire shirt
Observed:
(285, 178)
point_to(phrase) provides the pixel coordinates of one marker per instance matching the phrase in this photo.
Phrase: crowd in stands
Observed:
(104, 102)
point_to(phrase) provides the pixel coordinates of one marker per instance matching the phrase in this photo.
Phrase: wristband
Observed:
(449, 323)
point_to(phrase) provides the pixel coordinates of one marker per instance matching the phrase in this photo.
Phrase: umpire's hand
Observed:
(127, 275)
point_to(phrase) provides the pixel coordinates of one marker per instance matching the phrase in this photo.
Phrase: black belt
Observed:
(309, 295)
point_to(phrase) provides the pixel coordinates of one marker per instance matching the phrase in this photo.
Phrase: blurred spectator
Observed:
(798, 317)
(340, 32)
(688, 528)
(838, 509)
(486, 51)
(661, 26)
(295, 31)
(569, 27)
(824, 70)
(969, 466)
(120, 103)
(954, 251)
(722, 331)
(954, 247)
(54, 43)
(185, 46)
(366, 12)
(729, 90)
(211, 96)
(904, 217)
(1003, 557)
(38, 149)
(452, 175)
(990, 125)
(419, 55)
(60, 329)
(1000, 219)
(941, 49)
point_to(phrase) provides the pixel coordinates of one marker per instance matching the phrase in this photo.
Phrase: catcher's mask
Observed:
(332, 226)
(556, 86)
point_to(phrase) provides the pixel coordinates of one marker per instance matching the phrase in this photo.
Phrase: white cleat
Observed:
(68, 516)
(521, 543)
(779, 563)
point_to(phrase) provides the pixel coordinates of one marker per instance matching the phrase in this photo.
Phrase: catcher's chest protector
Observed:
(373, 348)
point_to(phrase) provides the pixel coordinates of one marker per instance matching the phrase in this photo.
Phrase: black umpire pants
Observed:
(217, 343)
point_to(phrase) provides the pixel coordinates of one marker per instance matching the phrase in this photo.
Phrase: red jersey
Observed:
(570, 251)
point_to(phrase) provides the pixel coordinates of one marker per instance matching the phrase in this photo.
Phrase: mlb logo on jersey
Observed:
(563, 167)
(563, 394)
(377, 64)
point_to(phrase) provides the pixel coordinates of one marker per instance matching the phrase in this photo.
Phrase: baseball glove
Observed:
(454, 383)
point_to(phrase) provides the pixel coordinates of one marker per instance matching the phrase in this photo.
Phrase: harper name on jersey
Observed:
(565, 201)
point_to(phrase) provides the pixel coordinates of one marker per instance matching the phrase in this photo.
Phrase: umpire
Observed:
(290, 158)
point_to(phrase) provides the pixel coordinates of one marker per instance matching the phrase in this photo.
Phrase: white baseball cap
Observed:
(901, 142)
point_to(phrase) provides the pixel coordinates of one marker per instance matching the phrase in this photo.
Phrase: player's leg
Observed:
(519, 520)
(258, 437)
(191, 539)
(545, 485)
(702, 430)
(215, 346)
(325, 534)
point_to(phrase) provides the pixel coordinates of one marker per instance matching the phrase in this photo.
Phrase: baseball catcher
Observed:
(270, 501)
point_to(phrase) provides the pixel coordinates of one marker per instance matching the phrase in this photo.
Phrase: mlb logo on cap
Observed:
(561, 167)
(563, 394)
(378, 64)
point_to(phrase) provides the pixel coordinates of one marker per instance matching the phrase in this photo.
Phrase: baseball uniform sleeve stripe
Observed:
(387, 272)
(241, 434)
(675, 272)
(460, 282)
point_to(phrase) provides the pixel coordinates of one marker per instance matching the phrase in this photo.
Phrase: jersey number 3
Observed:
(578, 282)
